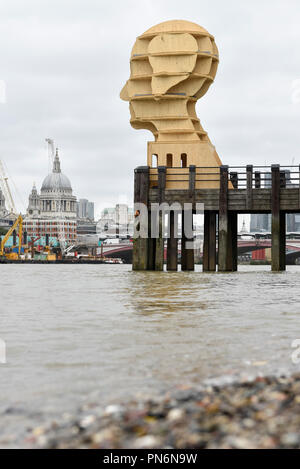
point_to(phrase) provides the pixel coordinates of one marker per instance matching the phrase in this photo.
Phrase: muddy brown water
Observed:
(77, 333)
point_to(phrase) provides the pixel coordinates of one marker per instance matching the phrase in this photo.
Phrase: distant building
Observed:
(109, 214)
(53, 211)
(34, 206)
(120, 214)
(123, 214)
(119, 218)
(91, 210)
(260, 223)
(85, 218)
(85, 210)
(244, 229)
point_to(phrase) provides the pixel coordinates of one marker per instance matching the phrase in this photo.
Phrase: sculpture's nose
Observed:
(124, 92)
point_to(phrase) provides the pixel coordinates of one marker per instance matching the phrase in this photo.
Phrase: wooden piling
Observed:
(136, 244)
(257, 178)
(151, 246)
(282, 179)
(192, 181)
(209, 243)
(282, 240)
(234, 180)
(278, 224)
(141, 191)
(187, 255)
(172, 247)
(160, 242)
(223, 221)
(232, 241)
(249, 177)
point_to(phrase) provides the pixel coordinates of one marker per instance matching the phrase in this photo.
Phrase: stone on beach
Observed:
(263, 413)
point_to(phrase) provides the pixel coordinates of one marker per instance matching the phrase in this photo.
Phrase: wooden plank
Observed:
(291, 199)
(237, 207)
(289, 191)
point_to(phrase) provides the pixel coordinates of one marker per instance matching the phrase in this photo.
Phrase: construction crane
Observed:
(51, 151)
(6, 191)
(19, 221)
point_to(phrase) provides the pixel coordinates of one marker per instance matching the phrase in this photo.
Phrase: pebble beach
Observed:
(262, 413)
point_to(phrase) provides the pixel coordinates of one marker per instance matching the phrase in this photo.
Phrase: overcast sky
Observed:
(64, 63)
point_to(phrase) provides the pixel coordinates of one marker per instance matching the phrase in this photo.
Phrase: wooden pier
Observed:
(231, 191)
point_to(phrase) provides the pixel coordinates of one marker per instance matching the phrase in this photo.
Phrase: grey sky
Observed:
(65, 61)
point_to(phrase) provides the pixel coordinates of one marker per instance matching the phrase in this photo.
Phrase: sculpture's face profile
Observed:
(172, 65)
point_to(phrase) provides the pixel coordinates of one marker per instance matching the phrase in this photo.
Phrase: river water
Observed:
(77, 333)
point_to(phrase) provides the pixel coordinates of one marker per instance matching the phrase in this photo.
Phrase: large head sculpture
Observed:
(172, 65)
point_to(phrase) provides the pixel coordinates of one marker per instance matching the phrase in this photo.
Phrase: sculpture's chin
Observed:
(143, 126)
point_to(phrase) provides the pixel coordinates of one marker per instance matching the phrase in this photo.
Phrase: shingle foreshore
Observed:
(263, 413)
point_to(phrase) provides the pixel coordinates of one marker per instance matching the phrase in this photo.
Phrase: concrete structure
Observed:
(172, 65)
(54, 209)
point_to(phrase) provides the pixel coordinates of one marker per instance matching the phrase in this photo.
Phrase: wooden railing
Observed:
(239, 177)
(187, 178)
